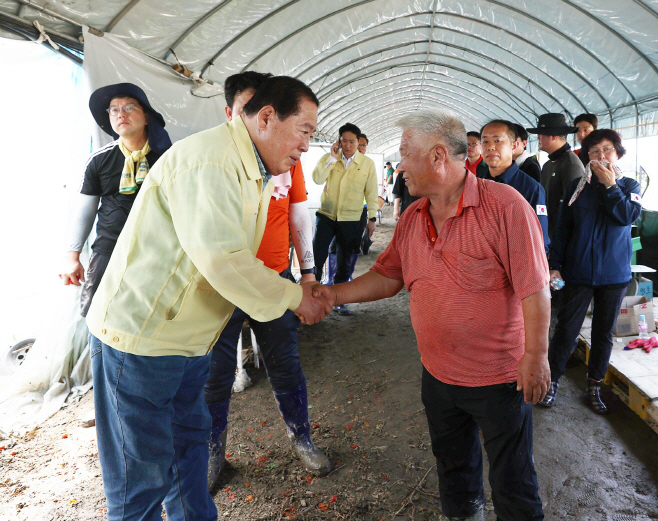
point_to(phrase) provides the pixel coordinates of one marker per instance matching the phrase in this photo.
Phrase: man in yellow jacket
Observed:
(184, 260)
(350, 179)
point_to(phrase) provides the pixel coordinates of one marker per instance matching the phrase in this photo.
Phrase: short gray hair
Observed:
(437, 123)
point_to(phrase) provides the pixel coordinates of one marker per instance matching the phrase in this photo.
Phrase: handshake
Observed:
(317, 302)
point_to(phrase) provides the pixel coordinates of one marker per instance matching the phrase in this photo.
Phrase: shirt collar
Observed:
(562, 150)
(261, 167)
(470, 197)
(469, 164)
(347, 161)
(507, 176)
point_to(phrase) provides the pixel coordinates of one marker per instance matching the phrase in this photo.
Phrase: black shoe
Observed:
(594, 397)
(549, 399)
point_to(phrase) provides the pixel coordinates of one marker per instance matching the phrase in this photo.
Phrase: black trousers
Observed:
(348, 241)
(455, 415)
(574, 301)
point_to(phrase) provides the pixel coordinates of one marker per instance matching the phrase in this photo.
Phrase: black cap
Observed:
(99, 102)
(552, 124)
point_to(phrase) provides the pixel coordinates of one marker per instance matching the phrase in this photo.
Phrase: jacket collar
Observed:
(562, 150)
(245, 146)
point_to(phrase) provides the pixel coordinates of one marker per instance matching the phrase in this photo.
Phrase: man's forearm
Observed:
(366, 288)
(536, 319)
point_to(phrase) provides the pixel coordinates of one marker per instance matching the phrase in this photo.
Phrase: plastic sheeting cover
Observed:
(520, 57)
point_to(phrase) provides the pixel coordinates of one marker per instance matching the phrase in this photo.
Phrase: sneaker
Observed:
(343, 310)
(549, 399)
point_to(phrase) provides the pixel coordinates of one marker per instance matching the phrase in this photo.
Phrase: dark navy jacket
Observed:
(592, 243)
(532, 192)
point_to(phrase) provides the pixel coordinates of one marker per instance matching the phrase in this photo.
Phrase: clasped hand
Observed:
(317, 302)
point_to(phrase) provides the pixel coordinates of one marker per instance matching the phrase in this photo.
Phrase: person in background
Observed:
(402, 197)
(527, 163)
(474, 161)
(390, 179)
(586, 124)
(591, 252)
(468, 240)
(349, 177)
(562, 167)
(287, 217)
(113, 176)
(499, 142)
(363, 144)
(331, 258)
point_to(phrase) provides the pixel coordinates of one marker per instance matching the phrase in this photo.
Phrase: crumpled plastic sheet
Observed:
(55, 372)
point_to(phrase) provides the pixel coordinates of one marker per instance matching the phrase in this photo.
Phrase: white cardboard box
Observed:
(629, 316)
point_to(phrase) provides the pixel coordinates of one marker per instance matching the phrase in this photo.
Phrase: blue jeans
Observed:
(152, 428)
(574, 301)
(455, 415)
(277, 340)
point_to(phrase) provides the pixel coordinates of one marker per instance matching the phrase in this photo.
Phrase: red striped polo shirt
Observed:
(467, 281)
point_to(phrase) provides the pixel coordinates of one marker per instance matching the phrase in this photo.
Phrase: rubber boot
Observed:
(331, 269)
(217, 441)
(594, 397)
(353, 259)
(293, 405)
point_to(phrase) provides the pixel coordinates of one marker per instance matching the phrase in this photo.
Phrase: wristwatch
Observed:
(307, 271)
(373, 219)
(612, 187)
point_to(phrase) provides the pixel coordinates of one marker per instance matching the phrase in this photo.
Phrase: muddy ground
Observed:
(363, 377)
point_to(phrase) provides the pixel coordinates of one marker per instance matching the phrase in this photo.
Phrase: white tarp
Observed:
(109, 60)
(517, 58)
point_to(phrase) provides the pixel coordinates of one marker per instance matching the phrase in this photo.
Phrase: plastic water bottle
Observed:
(643, 327)
(557, 283)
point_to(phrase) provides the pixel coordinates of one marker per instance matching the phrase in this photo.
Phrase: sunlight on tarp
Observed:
(46, 142)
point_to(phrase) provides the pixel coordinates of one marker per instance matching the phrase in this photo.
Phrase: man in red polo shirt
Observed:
(471, 254)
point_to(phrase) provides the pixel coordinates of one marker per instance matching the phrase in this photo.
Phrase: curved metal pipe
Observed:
(121, 14)
(429, 53)
(358, 113)
(468, 73)
(328, 119)
(426, 13)
(196, 24)
(404, 104)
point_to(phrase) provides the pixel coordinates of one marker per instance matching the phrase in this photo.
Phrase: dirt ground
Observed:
(363, 377)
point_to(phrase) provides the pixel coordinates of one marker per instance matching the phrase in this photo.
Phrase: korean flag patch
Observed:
(541, 209)
(636, 198)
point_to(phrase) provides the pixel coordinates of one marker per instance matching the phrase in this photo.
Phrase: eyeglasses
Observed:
(473, 144)
(596, 151)
(128, 109)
